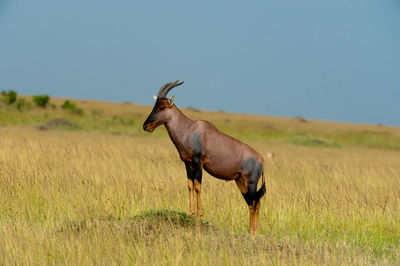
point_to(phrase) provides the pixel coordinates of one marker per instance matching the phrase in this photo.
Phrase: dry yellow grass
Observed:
(77, 197)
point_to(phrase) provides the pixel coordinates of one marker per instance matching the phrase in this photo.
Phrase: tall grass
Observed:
(78, 197)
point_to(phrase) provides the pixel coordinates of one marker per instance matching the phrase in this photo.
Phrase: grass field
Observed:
(102, 191)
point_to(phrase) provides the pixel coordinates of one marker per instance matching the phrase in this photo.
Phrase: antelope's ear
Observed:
(155, 98)
(171, 101)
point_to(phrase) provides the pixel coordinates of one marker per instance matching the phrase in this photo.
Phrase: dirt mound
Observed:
(171, 218)
(147, 226)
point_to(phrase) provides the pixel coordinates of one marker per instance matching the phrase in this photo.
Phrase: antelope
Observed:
(202, 146)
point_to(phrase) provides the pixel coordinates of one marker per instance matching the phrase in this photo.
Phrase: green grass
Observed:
(313, 142)
(127, 119)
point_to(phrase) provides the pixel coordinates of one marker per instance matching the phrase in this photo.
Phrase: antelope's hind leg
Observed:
(247, 183)
(242, 184)
(254, 210)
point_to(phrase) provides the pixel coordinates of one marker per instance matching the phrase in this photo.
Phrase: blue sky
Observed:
(328, 60)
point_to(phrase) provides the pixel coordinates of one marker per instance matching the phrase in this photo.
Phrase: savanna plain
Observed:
(91, 187)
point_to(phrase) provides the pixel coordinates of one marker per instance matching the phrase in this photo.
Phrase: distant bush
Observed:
(41, 100)
(67, 105)
(9, 97)
(21, 103)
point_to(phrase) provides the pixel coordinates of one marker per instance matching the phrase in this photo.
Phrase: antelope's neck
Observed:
(178, 128)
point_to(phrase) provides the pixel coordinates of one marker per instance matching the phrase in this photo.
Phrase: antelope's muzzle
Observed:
(148, 127)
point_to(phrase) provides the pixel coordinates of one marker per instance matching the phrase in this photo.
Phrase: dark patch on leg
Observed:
(196, 165)
(189, 171)
(197, 146)
(254, 170)
(196, 143)
(248, 198)
(194, 172)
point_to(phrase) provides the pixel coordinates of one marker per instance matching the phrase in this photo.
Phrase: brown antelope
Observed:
(201, 145)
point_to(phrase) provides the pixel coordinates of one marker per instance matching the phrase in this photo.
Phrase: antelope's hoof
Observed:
(191, 212)
(253, 232)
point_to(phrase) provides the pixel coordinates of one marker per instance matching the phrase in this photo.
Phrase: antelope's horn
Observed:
(167, 87)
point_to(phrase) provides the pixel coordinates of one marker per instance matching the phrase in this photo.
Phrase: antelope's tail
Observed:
(260, 193)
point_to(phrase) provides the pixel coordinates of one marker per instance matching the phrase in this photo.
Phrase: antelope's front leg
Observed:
(194, 175)
(190, 183)
(191, 196)
(197, 188)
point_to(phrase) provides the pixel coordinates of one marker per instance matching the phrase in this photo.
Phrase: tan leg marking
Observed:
(257, 213)
(242, 184)
(197, 188)
(254, 210)
(252, 216)
(191, 196)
